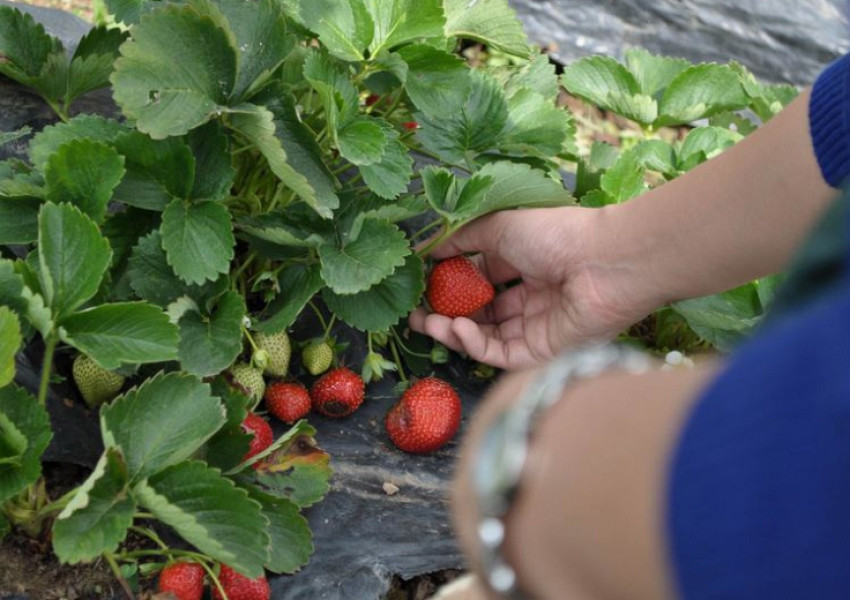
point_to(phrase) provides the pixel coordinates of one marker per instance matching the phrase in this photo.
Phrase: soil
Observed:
(27, 566)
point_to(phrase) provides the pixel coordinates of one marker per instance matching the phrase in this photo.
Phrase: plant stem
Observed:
(439, 239)
(397, 359)
(47, 367)
(151, 535)
(244, 265)
(321, 318)
(116, 570)
(428, 227)
(407, 350)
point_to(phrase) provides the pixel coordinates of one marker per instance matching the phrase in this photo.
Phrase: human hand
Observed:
(572, 286)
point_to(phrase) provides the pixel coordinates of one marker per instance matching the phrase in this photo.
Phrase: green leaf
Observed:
(538, 74)
(653, 73)
(596, 199)
(257, 124)
(99, 514)
(492, 22)
(13, 444)
(297, 284)
(157, 171)
(357, 265)
(210, 343)
(334, 86)
(437, 81)
(400, 21)
(150, 275)
(93, 60)
(91, 127)
(625, 180)
(261, 37)
(293, 468)
(129, 11)
(209, 512)
(726, 319)
(10, 342)
(296, 226)
(84, 173)
(699, 92)
(390, 177)
(122, 332)
(73, 257)
(214, 172)
(363, 141)
(536, 125)
(497, 186)
(290, 535)
(654, 155)
(475, 126)
(24, 45)
(161, 423)
(704, 143)
(198, 240)
(344, 28)
(19, 220)
(176, 73)
(302, 151)
(12, 287)
(603, 81)
(384, 304)
(235, 402)
(29, 418)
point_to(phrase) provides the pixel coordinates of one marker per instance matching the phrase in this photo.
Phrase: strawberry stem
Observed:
(406, 349)
(397, 360)
(47, 366)
(116, 570)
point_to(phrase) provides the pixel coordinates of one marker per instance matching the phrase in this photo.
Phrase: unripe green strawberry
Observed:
(250, 379)
(279, 350)
(317, 357)
(96, 384)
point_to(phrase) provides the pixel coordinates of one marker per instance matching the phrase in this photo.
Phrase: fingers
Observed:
(501, 346)
(482, 235)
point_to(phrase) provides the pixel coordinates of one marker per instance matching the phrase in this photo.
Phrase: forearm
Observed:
(735, 218)
(588, 522)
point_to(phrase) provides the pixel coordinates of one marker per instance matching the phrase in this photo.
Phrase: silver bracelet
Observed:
(501, 456)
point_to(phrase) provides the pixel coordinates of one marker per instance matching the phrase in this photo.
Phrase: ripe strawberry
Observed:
(287, 401)
(239, 587)
(426, 417)
(183, 579)
(317, 357)
(338, 393)
(279, 350)
(250, 379)
(456, 288)
(96, 384)
(262, 436)
(410, 125)
(372, 99)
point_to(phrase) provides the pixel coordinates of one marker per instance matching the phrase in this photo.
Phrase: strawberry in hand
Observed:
(457, 288)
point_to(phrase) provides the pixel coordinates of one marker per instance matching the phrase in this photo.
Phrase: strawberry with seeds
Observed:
(239, 587)
(288, 401)
(338, 393)
(261, 435)
(425, 418)
(183, 579)
(457, 288)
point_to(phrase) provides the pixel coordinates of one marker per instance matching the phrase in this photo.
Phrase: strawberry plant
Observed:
(280, 163)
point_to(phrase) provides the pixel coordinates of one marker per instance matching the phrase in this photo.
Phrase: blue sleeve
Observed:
(829, 121)
(759, 490)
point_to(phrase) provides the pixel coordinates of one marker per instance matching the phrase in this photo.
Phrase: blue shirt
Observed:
(759, 487)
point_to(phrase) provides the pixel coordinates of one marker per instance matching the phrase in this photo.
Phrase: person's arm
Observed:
(588, 523)
(589, 273)
(735, 218)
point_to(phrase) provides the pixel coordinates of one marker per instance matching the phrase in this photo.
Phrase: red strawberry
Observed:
(262, 436)
(239, 587)
(287, 401)
(372, 99)
(456, 288)
(338, 393)
(410, 125)
(183, 579)
(426, 417)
